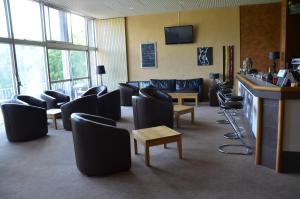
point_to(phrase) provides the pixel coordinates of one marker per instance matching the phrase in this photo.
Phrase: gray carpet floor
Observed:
(45, 168)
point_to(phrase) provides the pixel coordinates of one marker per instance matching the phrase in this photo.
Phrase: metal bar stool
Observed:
(227, 106)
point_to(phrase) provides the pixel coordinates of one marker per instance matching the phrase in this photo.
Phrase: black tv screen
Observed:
(179, 34)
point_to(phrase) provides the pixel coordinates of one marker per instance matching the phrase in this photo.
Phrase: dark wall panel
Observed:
(260, 27)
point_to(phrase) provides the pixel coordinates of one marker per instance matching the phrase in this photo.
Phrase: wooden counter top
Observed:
(260, 85)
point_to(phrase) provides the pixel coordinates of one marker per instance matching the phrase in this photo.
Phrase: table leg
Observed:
(54, 123)
(165, 146)
(147, 154)
(192, 116)
(135, 146)
(196, 100)
(179, 147)
(179, 100)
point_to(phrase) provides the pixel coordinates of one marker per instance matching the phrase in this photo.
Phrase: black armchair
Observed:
(100, 147)
(32, 101)
(108, 105)
(97, 90)
(152, 108)
(24, 122)
(54, 99)
(81, 105)
(126, 93)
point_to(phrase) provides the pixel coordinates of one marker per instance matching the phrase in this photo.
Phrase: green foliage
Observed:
(55, 64)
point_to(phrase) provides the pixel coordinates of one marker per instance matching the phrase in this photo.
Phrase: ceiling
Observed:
(104, 9)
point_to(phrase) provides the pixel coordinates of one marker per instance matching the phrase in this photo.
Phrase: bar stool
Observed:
(227, 106)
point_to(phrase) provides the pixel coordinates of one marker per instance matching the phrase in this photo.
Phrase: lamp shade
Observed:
(273, 55)
(100, 70)
(214, 75)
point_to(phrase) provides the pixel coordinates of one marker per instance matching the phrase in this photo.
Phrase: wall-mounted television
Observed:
(179, 34)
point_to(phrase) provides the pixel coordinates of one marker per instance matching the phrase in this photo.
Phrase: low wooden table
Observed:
(54, 114)
(156, 136)
(181, 96)
(180, 110)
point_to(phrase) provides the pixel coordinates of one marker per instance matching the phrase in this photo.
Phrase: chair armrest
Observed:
(94, 118)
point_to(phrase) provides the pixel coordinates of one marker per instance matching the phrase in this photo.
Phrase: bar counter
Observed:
(273, 114)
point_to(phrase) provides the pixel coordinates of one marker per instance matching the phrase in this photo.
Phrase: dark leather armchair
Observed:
(81, 105)
(97, 90)
(32, 101)
(24, 122)
(100, 147)
(152, 108)
(54, 99)
(126, 92)
(109, 106)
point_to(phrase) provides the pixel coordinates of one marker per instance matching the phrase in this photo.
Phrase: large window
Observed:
(6, 74)
(3, 23)
(68, 71)
(58, 25)
(31, 69)
(26, 19)
(78, 29)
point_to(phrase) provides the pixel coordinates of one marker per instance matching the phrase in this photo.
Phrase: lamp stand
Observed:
(101, 80)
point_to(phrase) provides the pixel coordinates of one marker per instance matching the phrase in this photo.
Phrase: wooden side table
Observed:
(54, 114)
(181, 96)
(180, 110)
(156, 136)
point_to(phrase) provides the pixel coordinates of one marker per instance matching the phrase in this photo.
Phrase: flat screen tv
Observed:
(179, 34)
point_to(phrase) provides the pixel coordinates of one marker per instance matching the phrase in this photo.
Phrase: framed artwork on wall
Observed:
(205, 56)
(148, 55)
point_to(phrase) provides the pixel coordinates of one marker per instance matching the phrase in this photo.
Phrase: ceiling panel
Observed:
(103, 9)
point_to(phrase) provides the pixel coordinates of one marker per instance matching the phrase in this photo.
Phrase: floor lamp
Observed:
(100, 70)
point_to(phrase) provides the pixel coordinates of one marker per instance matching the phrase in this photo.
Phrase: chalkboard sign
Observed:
(148, 55)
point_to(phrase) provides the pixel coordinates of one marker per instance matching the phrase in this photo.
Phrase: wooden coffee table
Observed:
(54, 114)
(180, 110)
(181, 96)
(156, 136)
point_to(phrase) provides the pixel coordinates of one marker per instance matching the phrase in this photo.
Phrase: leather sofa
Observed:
(24, 122)
(151, 108)
(54, 99)
(101, 148)
(85, 104)
(126, 93)
(174, 85)
(29, 100)
(97, 90)
(109, 105)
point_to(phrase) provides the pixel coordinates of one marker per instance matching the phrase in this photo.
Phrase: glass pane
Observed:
(58, 64)
(93, 67)
(3, 24)
(78, 30)
(91, 29)
(79, 64)
(26, 19)
(64, 87)
(6, 74)
(58, 25)
(79, 87)
(31, 69)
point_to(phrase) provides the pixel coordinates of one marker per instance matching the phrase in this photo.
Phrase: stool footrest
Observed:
(248, 150)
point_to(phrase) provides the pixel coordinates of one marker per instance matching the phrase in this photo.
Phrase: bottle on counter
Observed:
(270, 76)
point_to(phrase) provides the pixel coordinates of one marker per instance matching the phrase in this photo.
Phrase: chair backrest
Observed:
(97, 90)
(109, 105)
(156, 94)
(24, 122)
(150, 112)
(100, 147)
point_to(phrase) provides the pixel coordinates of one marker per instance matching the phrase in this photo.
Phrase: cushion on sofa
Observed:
(188, 85)
(167, 85)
